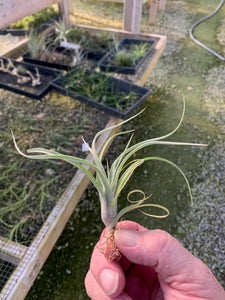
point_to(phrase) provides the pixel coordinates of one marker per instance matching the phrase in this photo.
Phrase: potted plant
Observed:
(127, 57)
(43, 50)
(25, 79)
(94, 45)
(111, 180)
(114, 96)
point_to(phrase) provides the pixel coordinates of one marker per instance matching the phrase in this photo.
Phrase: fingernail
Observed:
(126, 238)
(109, 280)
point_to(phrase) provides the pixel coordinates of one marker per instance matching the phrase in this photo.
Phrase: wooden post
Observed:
(65, 8)
(162, 5)
(132, 15)
(153, 11)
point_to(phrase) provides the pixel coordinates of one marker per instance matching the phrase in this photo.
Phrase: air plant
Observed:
(23, 75)
(111, 180)
(129, 55)
(61, 31)
(36, 43)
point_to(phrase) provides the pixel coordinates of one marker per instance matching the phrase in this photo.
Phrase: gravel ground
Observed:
(202, 231)
(206, 229)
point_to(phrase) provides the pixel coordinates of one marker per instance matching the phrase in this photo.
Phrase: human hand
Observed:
(153, 265)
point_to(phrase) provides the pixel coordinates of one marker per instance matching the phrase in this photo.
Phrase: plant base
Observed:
(108, 247)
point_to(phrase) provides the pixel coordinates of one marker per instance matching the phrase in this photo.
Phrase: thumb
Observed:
(155, 248)
(176, 266)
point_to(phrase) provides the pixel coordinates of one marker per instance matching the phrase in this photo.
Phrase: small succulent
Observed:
(111, 180)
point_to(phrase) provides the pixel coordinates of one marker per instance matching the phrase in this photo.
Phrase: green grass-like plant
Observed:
(99, 88)
(110, 181)
(129, 55)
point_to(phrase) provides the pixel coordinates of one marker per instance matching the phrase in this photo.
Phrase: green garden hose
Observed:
(198, 22)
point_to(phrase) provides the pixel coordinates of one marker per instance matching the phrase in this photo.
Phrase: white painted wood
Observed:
(11, 251)
(162, 5)
(65, 8)
(153, 11)
(14, 10)
(132, 15)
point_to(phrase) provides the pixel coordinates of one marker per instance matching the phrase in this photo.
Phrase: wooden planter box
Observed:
(117, 87)
(24, 262)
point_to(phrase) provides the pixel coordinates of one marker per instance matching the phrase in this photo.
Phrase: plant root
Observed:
(108, 247)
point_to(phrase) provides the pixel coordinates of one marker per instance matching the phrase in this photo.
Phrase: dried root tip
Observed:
(108, 247)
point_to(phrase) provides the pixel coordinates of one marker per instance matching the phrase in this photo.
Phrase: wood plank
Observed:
(65, 9)
(132, 15)
(14, 10)
(162, 5)
(17, 50)
(11, 252)
(153, 11)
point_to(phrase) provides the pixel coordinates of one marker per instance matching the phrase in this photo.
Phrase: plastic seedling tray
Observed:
(3, 31)
(93, 54)
(18, 32)
(9, 81)
(116, 86)
(107, 65)
(61, 66)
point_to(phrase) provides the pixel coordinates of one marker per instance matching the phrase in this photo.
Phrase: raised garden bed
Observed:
(116, 97)
(26, 79)
(127, 57)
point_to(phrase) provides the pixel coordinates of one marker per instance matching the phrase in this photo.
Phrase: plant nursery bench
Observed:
(23, 263)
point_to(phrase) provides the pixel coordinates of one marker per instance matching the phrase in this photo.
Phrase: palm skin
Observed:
(153, 266)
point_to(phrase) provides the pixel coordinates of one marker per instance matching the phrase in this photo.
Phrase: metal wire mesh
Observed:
(6, 270)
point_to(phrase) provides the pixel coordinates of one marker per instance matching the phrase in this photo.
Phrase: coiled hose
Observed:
(198, 22)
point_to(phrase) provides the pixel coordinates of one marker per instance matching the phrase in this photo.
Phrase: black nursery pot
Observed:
(106, 64)
(117, 85)
(9, 81)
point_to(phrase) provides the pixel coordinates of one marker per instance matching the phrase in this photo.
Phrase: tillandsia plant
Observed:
(111, 180)
(130, 54)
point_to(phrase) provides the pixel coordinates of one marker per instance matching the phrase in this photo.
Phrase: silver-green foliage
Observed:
(111, 180)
